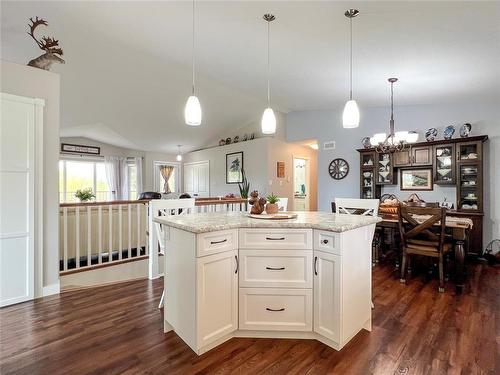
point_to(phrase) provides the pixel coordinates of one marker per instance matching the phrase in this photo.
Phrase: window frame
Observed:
(156, 175)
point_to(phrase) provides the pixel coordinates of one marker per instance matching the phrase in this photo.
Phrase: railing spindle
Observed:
(129, 232)
(138, 252)
(89, 236)
(120, 232)
(77, 237)
(110, 234)
(65, 238)
(99, 226)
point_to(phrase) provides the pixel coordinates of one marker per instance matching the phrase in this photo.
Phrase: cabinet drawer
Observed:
(286, 239)
(216, 242)
(327, 241)
(275, 309)
(276, 268)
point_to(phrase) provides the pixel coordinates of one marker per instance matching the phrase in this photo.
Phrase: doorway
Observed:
(301, 184)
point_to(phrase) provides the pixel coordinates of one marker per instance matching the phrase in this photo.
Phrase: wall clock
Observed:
(338, 169)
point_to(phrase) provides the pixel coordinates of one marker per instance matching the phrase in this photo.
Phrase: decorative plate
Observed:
(431, 134)
(338, 169)
(448, 132)
(366, 142)
(465, 130)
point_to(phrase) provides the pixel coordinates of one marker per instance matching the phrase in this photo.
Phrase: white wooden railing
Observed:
(98, 234)
(101, 233)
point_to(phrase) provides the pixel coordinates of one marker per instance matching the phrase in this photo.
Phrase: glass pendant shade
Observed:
(179, 157)
(350, 117)
(192, 111)
(412, 137)
(268, 121)
(378, 138)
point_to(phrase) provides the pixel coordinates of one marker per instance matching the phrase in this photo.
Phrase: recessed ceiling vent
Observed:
(330, 145)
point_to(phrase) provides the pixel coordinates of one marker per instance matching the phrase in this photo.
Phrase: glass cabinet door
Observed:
(367, 184)
(444, 164)
(469, 188)
(469, 151)
(384, 169)
(367, 160)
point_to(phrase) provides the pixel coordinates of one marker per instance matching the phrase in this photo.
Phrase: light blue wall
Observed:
(327, 126)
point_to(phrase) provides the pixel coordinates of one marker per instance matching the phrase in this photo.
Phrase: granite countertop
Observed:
(215, 221)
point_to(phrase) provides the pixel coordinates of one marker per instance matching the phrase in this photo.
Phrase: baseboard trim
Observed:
(51, 289)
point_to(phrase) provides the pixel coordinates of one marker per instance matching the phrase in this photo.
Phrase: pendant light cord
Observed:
(192, 51)
(392, 101)
(268, 69)
(350, 63)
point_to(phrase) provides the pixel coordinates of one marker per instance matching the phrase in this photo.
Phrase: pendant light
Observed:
(268, 123)
(179, 155)
(350, 117)
(192, 111)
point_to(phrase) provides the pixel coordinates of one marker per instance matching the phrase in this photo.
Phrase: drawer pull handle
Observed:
(237, 264)
(216, 242)
(315, 266)
(324, 242)
(275, 239)
(268, 309)
(275, 269)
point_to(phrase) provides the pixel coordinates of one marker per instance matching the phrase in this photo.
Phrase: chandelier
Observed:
(395, 141)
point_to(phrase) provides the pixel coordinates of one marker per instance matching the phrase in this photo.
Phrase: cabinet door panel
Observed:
(327, 295)
(402, 158)
(422, 155)
(217, 296)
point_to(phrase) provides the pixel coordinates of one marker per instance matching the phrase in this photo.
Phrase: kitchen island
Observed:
(228, 275)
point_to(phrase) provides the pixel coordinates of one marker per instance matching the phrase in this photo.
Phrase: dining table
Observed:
(457, 227)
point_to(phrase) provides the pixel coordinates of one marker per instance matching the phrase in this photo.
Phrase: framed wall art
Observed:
(234, 166)
(416, 179)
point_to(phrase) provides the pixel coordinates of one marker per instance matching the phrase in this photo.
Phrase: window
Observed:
(173, 181)
(82, 174)
(132, 180)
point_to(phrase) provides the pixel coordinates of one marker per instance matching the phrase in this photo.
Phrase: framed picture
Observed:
(234, 166)
(416, 179)
(80, 149)
(280, 169)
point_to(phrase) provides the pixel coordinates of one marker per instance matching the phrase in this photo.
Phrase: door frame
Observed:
(36, 180)
(308, 179)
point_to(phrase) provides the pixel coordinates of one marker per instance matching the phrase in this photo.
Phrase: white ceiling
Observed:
(128, 63)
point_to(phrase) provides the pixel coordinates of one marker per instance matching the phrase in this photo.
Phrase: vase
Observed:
(271, 208)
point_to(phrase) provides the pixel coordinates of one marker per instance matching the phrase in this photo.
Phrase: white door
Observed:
(217, 296)
(326, 269)
(197, 179)
(301, 184)
(17, 196)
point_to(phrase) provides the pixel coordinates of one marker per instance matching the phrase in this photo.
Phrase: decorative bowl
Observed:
(444, 172)
(384, 174)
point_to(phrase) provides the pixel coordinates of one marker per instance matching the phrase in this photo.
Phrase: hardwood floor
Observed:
(118, 329)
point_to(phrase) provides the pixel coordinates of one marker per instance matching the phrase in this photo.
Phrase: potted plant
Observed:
(272, 204)
(244, 186)
(85, 194)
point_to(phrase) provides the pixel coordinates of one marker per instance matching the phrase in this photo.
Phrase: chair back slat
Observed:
(351, 206)
(432, 228)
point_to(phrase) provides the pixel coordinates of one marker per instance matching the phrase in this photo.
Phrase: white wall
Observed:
(327, 126)
(254, 162)
(36, 83)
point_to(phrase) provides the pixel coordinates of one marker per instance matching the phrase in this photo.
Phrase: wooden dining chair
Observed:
(425, 238)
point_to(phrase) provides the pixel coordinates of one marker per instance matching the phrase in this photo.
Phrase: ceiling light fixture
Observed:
(395, 141)
(179, 155)
(350, 117)
(268, 123)
(192, 111)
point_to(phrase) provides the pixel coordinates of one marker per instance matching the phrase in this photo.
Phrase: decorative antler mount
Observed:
(48, 44)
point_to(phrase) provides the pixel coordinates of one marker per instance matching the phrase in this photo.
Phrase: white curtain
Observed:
(138, 168)
(117, 176)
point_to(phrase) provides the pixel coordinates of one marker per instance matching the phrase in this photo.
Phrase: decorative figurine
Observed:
(258, 204)
(47, 44)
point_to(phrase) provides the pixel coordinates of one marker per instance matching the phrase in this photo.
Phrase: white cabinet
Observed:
(273, 238)
(217, 296)
(327, 295)
(197, 179)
